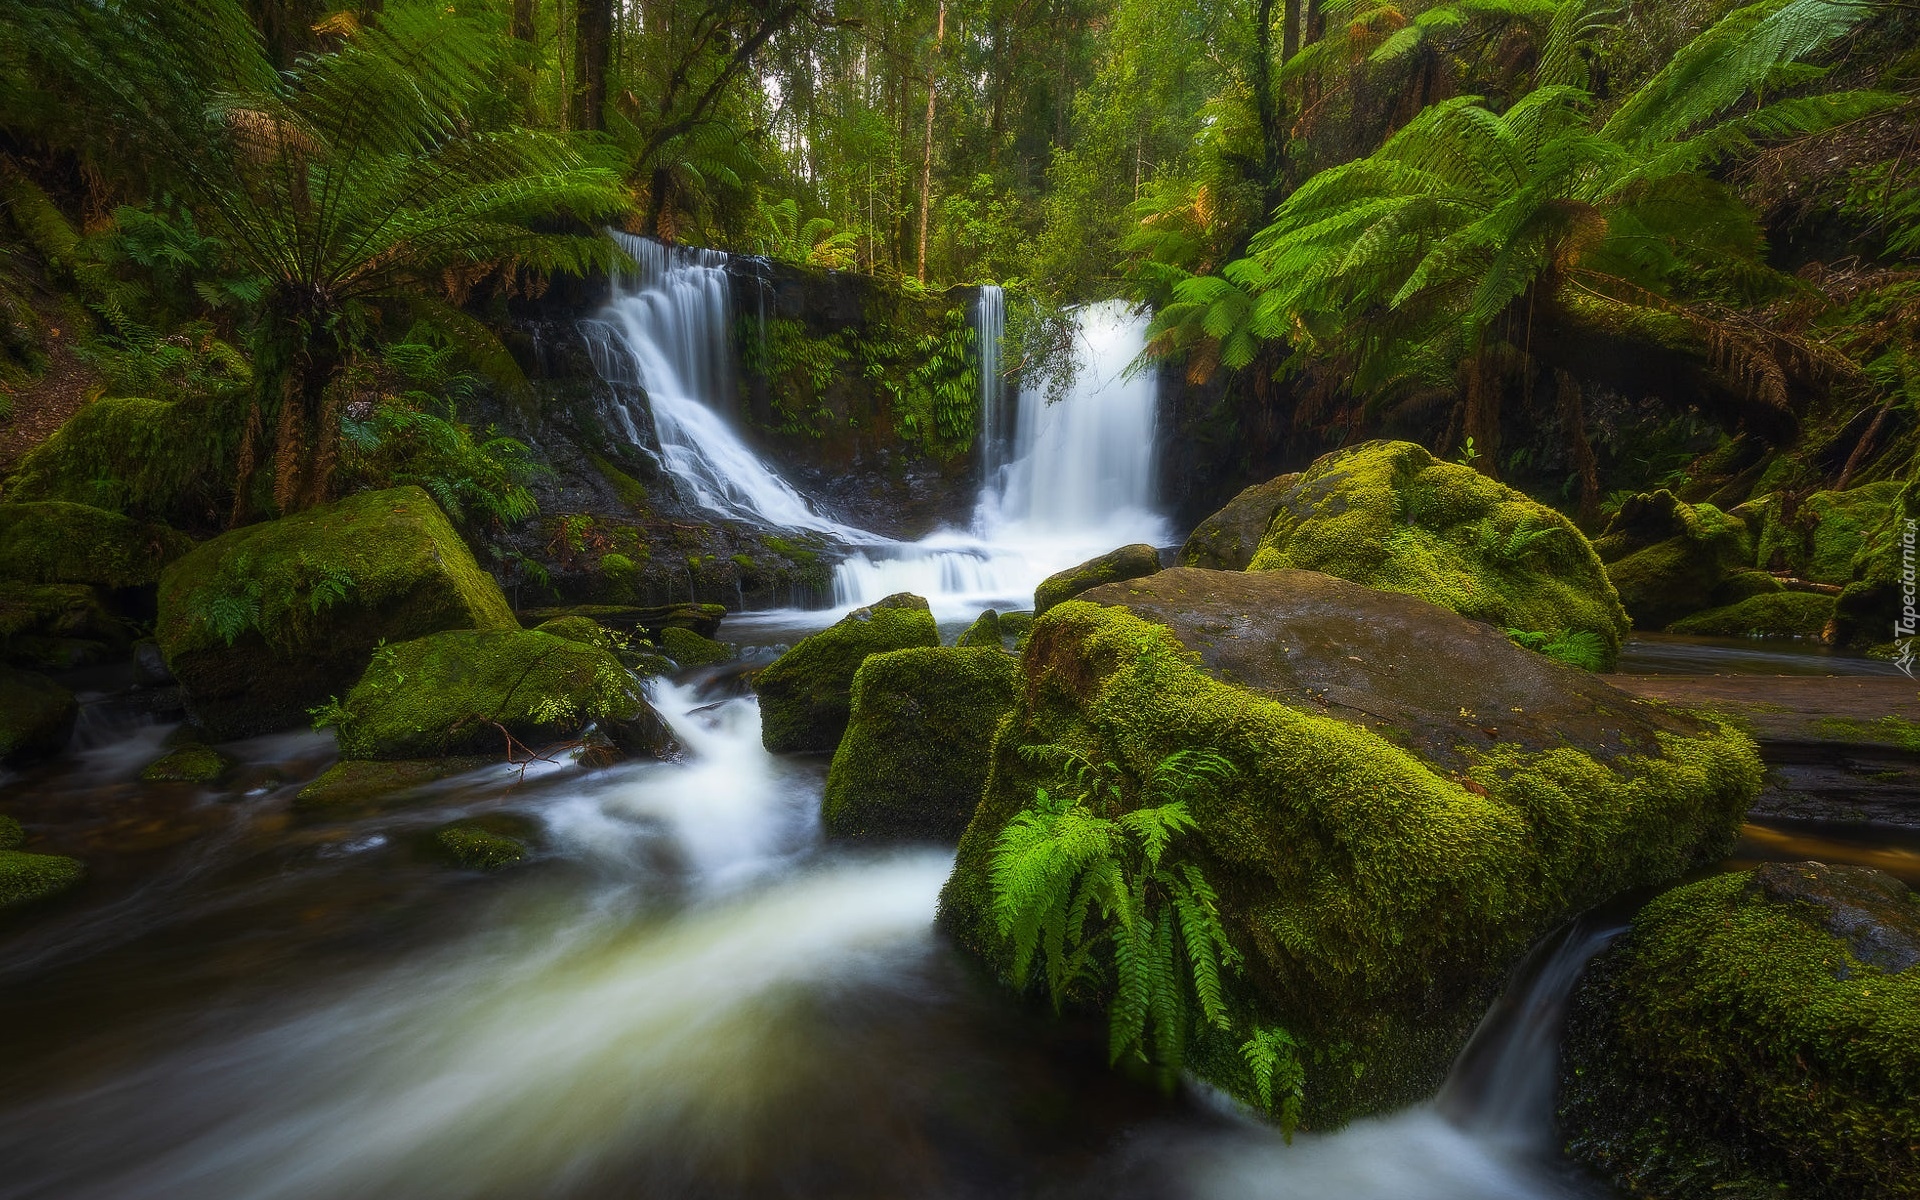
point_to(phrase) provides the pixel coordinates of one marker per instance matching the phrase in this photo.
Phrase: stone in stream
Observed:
(1391, 516)
(36, 716)
(1128, 562)
(689, 649)
(806, 693)
(915, 754)
(355, 783)
(265, 622)
(196, 763)
(703, 619)
(468, 691)
(1755, 1033)
(1773, 614)
(485, 843)
(57, 626)
(28, 878)
(1415, 801)
(985, 631)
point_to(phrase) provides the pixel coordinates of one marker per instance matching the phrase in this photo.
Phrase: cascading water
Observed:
(989, 326)
(662, 343)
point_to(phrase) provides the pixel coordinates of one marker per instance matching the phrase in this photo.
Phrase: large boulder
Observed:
(914, 757)
(467, 691)
(36, 716)
(1128, 562)
(1668, 558)
(1775, 614)
(52, 541)
(57, 625)
(1414, 801)
(1754, 1034)
(264, 623)
(1228, 540)
(806, 693)
(1391, 516)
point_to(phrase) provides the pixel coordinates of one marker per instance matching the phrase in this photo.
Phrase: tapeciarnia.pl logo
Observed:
(1904, 626)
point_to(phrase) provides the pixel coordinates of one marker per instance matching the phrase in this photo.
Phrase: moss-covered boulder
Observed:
(355, 783)
(584, 630)
(806, 693)
(466, 691)
(1776, 614)
(1391, 516)
(1414, 801)
(125, 453)
(703, 619)
(985, 631)
(29, 878)
(36, 716)
(1819, 537)
(1754, 1034)
(1128, 562)
(1228, 540)
(689, 649)
(915, 754)
(56, 626)
(266, 622)
(195, 763)
(482, 843)
(53, 541)
(1668, 559)
(1015, 626)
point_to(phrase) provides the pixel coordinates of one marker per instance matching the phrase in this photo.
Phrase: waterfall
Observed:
(989, 326)
(662, 343)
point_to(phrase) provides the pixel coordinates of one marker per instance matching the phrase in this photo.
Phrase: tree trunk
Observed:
(1482, 423)
(592, 44)
(1273, 143)
(522, 22)
(1573, 422)
(1861, 447)
(926, 161)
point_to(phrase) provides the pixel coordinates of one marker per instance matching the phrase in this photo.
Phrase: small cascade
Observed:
(663, 343)
(989, 326)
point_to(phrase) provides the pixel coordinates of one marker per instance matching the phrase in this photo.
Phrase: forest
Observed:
(965, 598)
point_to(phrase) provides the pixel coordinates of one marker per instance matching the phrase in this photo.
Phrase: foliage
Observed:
(1576, 647)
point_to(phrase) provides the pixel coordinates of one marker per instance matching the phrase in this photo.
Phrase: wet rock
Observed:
(52, 541)
(352, 783)
(1391, 516)
(1414, 801)
(57, 626)
(1668, 559)
(1128, 562)
(469, 691)
(703, 619)
(915, 755)
(265, 622)
(1228, 540)
(689, 649)
(1754, 1034)
(188, 764)
(36, 716)
(584, 630)
(805, 694)
(27, 879)
(483, 843)
(985, 631)
(150, 665)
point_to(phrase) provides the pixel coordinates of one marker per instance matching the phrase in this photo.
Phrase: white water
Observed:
(1072, 479)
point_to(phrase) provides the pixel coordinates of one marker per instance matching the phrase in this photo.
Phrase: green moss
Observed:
(1228, 540)
(985, 631)
(1016, 625)
(631, 491)
(689, 649)
(12, 837)
(53, 626)
(1390, 516)
(354, 783)
(805, 694)
(480, 844)
(28, 878)
(188, 764)
(1744, 585)
(36, 716)
(1379, 899)
(52, 541)
(265, 622)
(915, 754)
(584, 630)
(1128, 562)
(129, 455)
(1887, 731)
(1776, 614)
(1755, 1035)
(1827, 532)
(465, 691)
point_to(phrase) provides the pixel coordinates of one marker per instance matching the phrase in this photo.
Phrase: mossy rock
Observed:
(128, 454)
(1826, 532)
(1228, 540)
(1777, 614)
(584, 630)
(1391, 516)
(1415, 801)
(1745, 585)
(689, 649)
(1668, 558)
(806, 693)
(12, 837)
(188, 764)
(355, 783)
(985, 631)
(915, 755)
(266, 622)
(54, 626)
(36, 716)
(1015, 626)
(1754, 1034)
(466, 691)
(29, 878)
(1128, 562)
(482, 843)
(703, 619)
(53, 541)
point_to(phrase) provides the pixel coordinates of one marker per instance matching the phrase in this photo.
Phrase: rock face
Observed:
(1754, 1034)
(1414, 801)
(466, 690)
(1391, 516)
(1128, 562)
(52, 541)
(915, 754)
(1776, 614)
(806, 693)
(1228, 540)
(1668, 559)
(265, 622)
(36, 716)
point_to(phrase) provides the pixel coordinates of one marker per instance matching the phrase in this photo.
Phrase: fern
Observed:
(1279, 1077)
